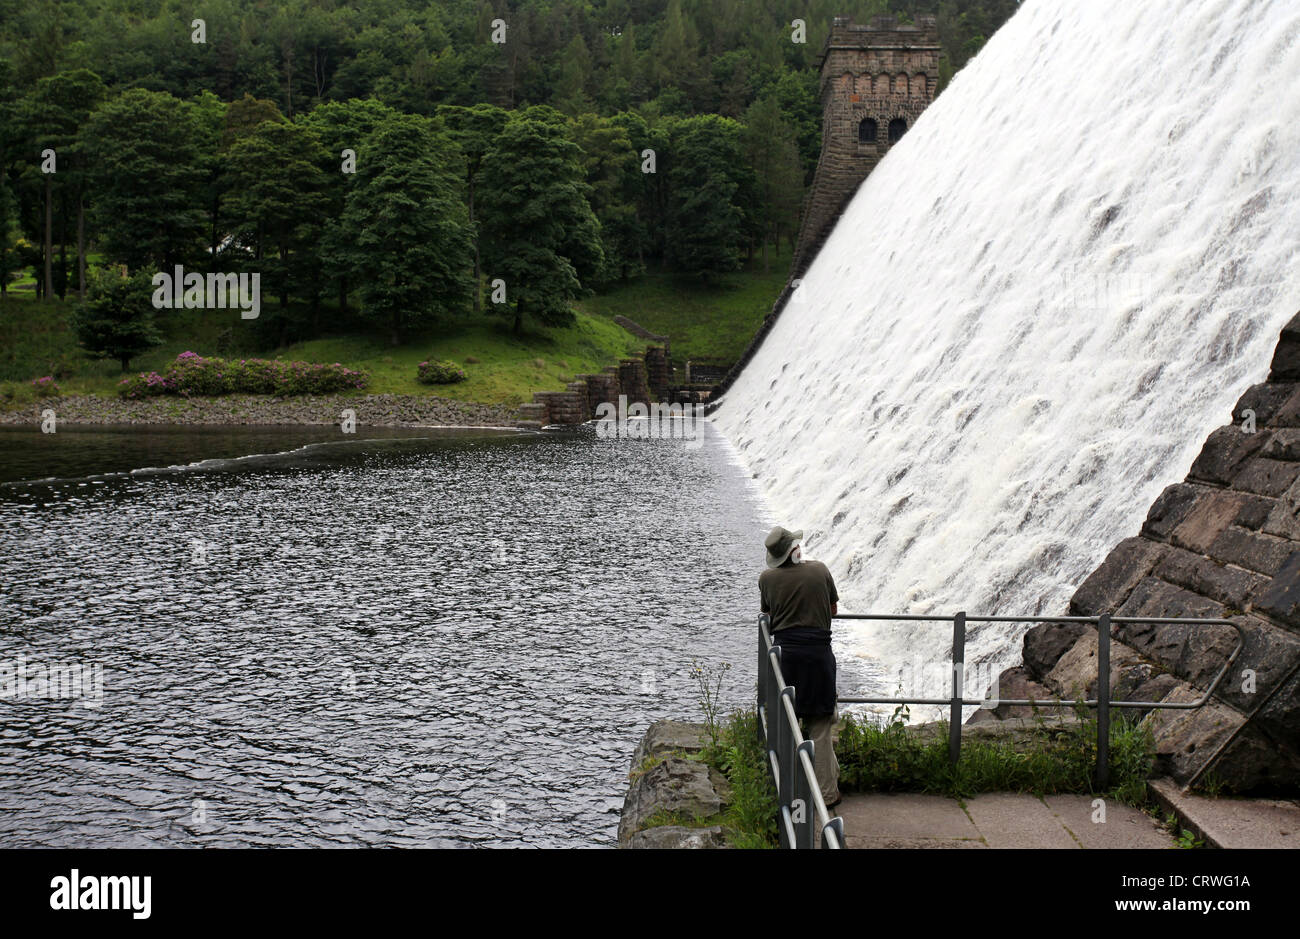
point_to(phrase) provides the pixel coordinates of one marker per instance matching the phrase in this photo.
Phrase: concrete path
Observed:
(1231, 823)
(994, 820)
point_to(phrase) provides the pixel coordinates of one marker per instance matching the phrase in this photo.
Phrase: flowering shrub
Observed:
(45, 387)
(443, 372)
(144, 385)
(192, 375)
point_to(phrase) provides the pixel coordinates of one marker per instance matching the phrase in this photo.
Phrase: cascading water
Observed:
(1033, 312)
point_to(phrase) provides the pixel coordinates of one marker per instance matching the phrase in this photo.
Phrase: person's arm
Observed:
(834, 595)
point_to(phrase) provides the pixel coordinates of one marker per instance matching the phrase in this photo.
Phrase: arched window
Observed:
(897, 128)
(867, 131)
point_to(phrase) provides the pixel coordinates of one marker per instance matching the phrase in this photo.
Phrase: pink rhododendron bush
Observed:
(193, 375)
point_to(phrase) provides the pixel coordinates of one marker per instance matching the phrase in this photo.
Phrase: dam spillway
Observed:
(1033, 311)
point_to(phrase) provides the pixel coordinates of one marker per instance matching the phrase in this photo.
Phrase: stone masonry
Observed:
(875, 82)
(1224, 543)
(882, 73)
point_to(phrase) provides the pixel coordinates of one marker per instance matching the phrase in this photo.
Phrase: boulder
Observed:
(672, 785)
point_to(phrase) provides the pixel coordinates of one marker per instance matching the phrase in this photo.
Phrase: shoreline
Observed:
(384, 410)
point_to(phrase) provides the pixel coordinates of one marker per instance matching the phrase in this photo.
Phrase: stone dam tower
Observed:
(875, 82)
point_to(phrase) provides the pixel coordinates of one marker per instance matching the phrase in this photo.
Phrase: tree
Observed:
(116, 320)
(612, 168)
(772, 155)
(404, 234)
(539, 233)
(149, 198)
(473, 130)
(342, 125)
(278, 194)
(705, 230)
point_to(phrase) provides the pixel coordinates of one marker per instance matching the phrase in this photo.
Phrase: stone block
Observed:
(1110, 584)
(1170, 508)
(1225, 453)
(1286, 357)
(673, 785)
(1186, 739)
(1255, 762)
(1266, 477)
(1254, 512)
(1045, 643)
(1230, 586)
(1284, 518)
(1280, 598)
(1265, 399)
(1213, 512)
(1076, 671)
(1013, 683)
(1259, 552)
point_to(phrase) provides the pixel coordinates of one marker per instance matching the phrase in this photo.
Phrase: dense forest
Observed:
(399, 160)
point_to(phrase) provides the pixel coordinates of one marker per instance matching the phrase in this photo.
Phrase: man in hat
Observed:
(799, 597)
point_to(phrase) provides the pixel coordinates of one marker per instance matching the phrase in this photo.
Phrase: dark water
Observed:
(433, 640)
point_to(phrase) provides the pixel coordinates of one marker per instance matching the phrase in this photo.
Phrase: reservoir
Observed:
(404, 638)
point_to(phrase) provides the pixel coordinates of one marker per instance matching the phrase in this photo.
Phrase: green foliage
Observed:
(147, 198)
(749, 819)
(706, 175)
(443, 372)
(404, 235)
(538, 233)
(116, 321)
(1058, 759)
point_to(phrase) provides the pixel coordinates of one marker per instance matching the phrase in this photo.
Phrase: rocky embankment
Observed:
(1222, 544)
(374, 410)
(665, 785)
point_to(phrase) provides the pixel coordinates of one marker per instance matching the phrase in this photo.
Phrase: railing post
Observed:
(806, 830)
(760, 676)
(789, 758)
(958, 689)
(1103, 701)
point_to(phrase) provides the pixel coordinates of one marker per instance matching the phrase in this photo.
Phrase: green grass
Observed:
(703, 323)
(37, 339)
(1056, 759)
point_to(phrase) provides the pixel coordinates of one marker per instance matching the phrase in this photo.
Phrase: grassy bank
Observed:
(703, 322)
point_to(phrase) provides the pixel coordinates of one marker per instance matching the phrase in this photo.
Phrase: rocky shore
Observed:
(373, 410)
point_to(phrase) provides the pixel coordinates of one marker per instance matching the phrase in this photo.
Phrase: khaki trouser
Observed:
(825, 765)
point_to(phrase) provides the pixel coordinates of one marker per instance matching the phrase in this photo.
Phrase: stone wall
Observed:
(638, 378)
(882, 72)
(1224, 543)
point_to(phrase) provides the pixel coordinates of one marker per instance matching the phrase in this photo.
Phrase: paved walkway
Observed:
(994, 820)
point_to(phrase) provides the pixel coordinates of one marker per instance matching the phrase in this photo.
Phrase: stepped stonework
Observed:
(1224, 543)
(641, 380)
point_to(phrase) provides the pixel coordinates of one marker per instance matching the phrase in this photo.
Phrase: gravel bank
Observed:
(372, 410)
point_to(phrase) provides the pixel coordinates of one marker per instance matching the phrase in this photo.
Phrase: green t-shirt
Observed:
(798, 595)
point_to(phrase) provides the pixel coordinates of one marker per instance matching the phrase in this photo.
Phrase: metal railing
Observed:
(1102, 702)
(790, 756)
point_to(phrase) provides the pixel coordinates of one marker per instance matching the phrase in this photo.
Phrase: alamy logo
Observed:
(653, 422)
(77, 892)
(76, 681)
(217, 291)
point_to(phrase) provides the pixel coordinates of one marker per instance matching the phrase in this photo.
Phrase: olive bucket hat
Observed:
(779, 544)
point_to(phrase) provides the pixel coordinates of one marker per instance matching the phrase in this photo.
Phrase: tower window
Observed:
(867, 131)
(897, 128)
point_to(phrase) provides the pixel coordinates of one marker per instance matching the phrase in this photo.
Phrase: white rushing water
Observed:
(1033, 312)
